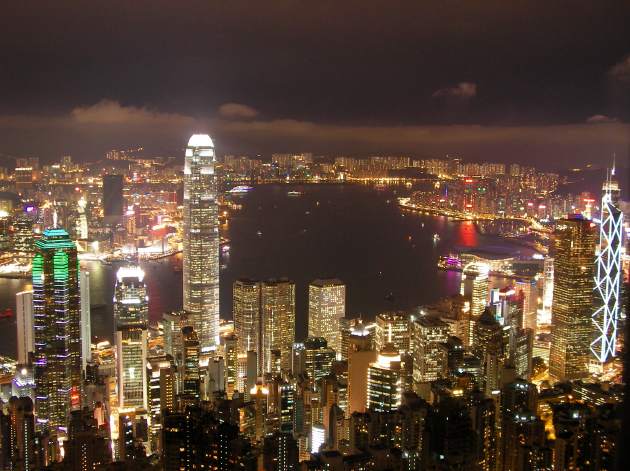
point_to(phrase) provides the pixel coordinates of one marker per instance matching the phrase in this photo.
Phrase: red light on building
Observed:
(75, 397)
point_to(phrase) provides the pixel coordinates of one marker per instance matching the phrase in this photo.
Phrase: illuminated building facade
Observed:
(201, 240)
(24, 318)
(191, 380)
(475, 287)
(278, 322)
(392, 327)
(609, 273)
(246, 315)
(384, 381)
(57, 332)
(574, 275)
(326, 306)
(429, 355)
(131, 310)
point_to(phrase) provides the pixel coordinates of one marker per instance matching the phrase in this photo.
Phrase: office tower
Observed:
(395, 324)
(278, 322)
(609, 273)
(287, 407)
(191, 379)
(326, 306)
(231, 365)
(529, 292)
(452, 439)
(384, 381)
(162, 390)
(172, 323)
(81, 220)
(131, 310)
(429, 354)
(316, 359)
(87, 448)
(490, 347)
(22, 430)
(524, 443)
(475, 287)
(547, 295)
(113, 200)
(574, 274)
(318, 437)
(259, 395)
(86, 321)
(24, 320)
(359, 359)
(201, 240)
(484, 424)
(23, 239)
(280, 452)
(57, 330)
(246, 315)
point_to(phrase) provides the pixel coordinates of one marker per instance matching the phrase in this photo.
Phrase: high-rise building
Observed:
(326, 306)
(384, 381)
(475, 288)
(392, 327)
(246, 315)
(231, 364)
(22, 426)
(429, 354)
(609, 273)
(86, 321)
(24, 319)
(574, 275)
(113, 200)
(314, 359)
(201, 240)
(278, 322)
(191, 379)
(131, 310)
(57, 330)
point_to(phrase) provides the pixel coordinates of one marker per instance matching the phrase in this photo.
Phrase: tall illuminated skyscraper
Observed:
(278, 322)
(57, 331)
(24, 318)
(326, 306)
(609, 273)
(475, 287)
(246, 314)
(201, 240)
(574, 275)
(131, 310)
(86, 321)
(384, 381)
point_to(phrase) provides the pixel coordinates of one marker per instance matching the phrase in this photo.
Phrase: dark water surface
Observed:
(355, 233)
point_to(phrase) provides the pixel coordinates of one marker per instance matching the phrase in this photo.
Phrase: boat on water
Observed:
(294, 193)
(239, 190)
(436, 237)
(259, 233)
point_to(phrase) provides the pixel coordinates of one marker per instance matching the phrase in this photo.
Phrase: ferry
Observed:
(294, 193)
(239, 190)
(436, 237)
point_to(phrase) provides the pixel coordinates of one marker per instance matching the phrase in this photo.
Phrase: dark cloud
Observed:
(339, 70)
(463, 90)
(237, 110)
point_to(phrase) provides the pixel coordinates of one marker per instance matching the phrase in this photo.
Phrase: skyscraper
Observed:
(609, 273)
(24, 319)
(113, 201)
(384, 381)
(22, 444)
(86, 322)
(429, 356)
(326, 306)
(201, 240)
(57, 332)
(574, 274)
(131, 310)
(246, 314)
(278, 320)
(475, 288)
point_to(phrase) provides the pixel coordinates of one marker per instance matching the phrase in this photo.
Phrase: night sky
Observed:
(529, 81)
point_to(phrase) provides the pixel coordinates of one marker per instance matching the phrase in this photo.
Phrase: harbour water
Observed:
(387, 257)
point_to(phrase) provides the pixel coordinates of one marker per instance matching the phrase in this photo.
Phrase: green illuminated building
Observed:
(57, 332)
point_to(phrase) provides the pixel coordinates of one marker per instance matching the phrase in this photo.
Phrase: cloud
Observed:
(109, 112)
(621, 71)
(600, 119)
(237, 110)
(464, 90)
